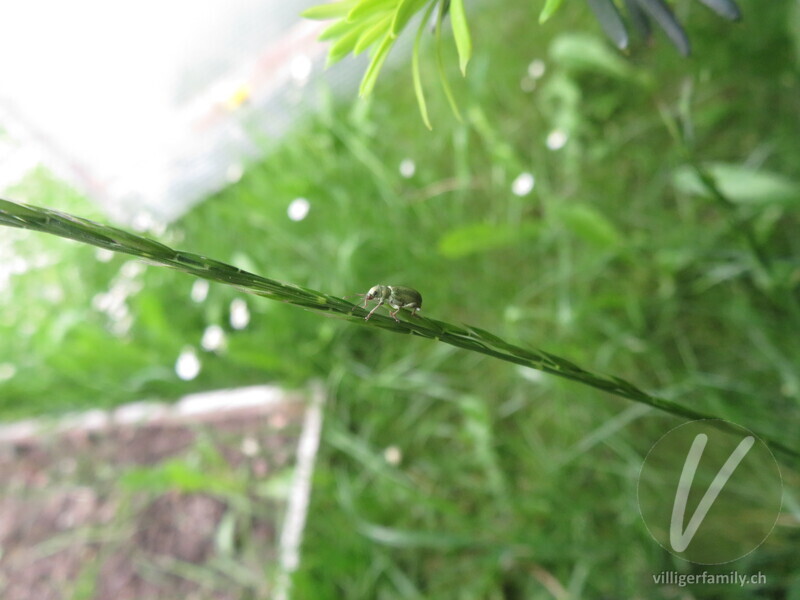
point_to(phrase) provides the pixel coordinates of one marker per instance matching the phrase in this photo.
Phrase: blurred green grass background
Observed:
(444, 474)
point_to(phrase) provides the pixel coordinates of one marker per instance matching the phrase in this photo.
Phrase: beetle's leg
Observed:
(412, 308)
(394, 314)
(377, 306)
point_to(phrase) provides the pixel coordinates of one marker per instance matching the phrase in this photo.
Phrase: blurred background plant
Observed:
(376, 25)
(562, 212)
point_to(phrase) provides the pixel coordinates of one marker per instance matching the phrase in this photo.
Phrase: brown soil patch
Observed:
(171, 509)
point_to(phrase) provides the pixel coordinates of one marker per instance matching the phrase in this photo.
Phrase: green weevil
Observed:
(395, 296)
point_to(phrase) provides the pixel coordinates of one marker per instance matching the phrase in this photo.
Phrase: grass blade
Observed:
(470, 338)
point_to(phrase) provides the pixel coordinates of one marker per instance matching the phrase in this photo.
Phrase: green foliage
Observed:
(611, 21)
(742, 184)
(550, 7)
(375, 25)
(419, 436)
(587, 223)
(461, 34)
(469, 338)
(179, 475)
(481, 237)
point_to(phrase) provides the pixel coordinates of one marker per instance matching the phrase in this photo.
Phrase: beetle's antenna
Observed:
(355, 306)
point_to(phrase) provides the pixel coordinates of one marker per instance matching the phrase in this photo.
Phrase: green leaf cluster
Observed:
(375, 25)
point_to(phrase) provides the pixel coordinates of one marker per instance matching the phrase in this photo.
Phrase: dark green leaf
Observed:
(662, 15)
(724, 8)
(741, 184)
(639, 20)
(610, 21)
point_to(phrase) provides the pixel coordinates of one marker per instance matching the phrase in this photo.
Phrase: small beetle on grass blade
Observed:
(395, 296)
